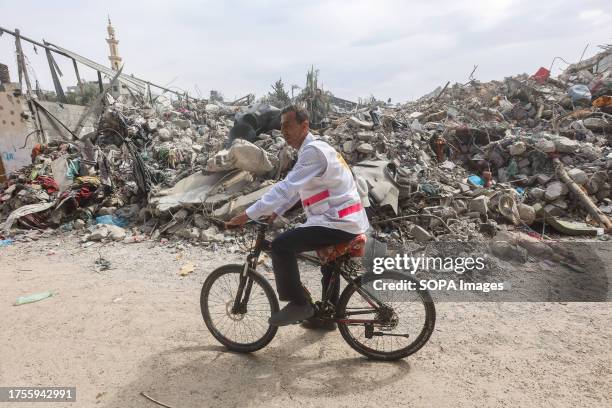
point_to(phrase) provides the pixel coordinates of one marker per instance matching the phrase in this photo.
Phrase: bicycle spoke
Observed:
(239, 328)
(406, 312)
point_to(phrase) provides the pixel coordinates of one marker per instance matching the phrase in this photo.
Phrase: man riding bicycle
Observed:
(324, 183)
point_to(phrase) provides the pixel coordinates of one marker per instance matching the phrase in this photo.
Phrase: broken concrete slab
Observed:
(366, 136)
(212, 235)
(99, 233)
(536, 193)
(517, 148)
(527, 213)
(348, 146)
(164, 135)
(182, 123)
(565, 145)
(115, 233)
(239, 204)
(479, 205)
(190, 190)
(546, 146)
(353, 121)
(555, 190)
(420, 234)
(365, 148)
(578, 175)
(382, 189)
(199, 221)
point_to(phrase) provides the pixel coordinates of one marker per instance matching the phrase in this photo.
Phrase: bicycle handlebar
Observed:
(256, 222)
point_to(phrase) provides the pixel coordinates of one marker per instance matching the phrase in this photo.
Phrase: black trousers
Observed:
(284, 260)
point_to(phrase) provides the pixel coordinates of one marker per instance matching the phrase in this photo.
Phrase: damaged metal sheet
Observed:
(380, 186)
(135, 83)
(192, 190)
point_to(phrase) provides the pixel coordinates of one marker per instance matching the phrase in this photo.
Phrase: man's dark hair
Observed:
(301, 114)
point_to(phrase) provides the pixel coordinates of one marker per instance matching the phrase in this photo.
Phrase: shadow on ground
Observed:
(293, 369)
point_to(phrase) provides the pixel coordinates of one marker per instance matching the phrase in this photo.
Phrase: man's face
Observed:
(293, 132)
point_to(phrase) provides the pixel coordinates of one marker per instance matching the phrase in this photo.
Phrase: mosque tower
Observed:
(112, 41)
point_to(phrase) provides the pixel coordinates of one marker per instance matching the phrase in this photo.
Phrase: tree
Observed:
(316, 100)
(86, 93)
(279, 96)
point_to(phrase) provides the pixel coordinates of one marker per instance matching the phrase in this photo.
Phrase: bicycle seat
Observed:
(355, 249)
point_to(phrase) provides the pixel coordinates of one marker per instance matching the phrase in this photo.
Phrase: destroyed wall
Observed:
(5, 77)
(67, 114)
(15, 126)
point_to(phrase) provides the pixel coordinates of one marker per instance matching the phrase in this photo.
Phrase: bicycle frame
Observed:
(263, 245)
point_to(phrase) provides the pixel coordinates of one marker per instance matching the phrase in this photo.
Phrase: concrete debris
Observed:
(508, 251)
(242, 155)
(565, 145)
(239, 204)
(463, 161)
(99, 234)
(517, 148)
(365, 148)
(355, 122)
(555, 190)
(420, 234)
(578, 175)
(479, 205)
(115, 233)
(212, 235)
(527, 213)
(545, 146)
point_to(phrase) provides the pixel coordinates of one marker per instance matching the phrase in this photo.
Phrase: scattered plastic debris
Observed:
(22, 300)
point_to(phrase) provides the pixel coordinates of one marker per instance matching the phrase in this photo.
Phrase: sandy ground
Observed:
(137, 327)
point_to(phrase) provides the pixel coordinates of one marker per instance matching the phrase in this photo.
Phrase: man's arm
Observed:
(283, 208)
(311, 163)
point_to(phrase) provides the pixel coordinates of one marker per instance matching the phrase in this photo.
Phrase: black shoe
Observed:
(316, 323)
(291, 314)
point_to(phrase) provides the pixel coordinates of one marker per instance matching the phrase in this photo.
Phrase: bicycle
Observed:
(236, 302)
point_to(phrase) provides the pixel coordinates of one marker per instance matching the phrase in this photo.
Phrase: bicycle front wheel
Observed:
(398, 328)
(247, 330)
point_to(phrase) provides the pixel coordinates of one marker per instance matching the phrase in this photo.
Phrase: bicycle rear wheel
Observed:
(396, 330)
(243, 332)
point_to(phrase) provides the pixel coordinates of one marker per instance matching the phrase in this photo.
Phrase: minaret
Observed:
(114, 57)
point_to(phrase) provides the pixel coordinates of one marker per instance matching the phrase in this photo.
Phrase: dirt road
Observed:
(137, 327)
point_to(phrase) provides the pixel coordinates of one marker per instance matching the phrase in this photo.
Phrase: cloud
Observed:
(388, 48)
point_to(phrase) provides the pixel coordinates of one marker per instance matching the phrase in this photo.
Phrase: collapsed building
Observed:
(530, 153)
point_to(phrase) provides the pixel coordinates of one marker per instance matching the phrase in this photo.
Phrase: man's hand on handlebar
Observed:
(241, 219)
(271, 218)
(237, 221)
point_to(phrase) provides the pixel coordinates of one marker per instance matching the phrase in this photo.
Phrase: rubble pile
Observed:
(527, 152)
(494, 152)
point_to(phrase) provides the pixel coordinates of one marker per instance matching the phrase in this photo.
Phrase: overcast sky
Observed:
(391, 49)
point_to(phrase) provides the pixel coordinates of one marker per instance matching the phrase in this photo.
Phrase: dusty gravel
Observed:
(137, 327)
